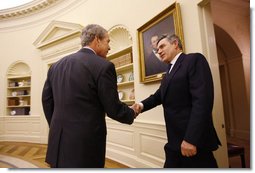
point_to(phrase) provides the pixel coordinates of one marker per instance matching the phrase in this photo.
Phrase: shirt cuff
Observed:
(141, 105)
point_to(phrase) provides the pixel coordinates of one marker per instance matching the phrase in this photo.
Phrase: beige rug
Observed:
(13, 162)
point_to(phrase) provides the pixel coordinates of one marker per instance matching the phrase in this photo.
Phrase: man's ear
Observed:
(97, 39)
(175, 44)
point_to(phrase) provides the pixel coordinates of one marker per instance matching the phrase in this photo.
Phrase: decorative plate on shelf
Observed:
(119, 78)
(14, 93)
(121, 95)
(13, 112)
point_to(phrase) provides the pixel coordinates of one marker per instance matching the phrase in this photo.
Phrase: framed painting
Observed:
(167, 22)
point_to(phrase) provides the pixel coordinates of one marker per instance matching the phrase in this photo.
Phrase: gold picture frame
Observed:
(168, 21)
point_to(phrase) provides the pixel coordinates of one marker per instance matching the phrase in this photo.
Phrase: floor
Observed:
(29, 155)
(22, 154)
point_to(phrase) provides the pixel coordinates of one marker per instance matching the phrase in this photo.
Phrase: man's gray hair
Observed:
(171, 39)
(90, 32)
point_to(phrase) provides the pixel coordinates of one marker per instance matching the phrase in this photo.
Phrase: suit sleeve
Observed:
(107, 90)
(47, 99)
(201, 89)
(152, 101)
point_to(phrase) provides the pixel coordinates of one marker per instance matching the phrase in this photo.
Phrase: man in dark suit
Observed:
(153, 64)
(186, 93)
(79, 89)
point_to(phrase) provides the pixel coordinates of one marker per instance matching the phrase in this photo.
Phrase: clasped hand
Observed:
(137, 109)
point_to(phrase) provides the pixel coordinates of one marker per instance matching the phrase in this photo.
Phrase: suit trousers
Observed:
(203, 159)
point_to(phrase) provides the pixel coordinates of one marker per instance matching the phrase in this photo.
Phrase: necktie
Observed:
(169, 67)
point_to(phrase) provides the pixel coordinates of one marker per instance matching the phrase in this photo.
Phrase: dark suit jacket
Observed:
(187, 98)
(79, 90)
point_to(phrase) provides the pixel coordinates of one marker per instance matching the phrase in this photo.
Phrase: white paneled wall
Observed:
(140, 145)
(1, 127)
(20, 128)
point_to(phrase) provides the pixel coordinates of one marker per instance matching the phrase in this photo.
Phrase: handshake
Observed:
(137, 109)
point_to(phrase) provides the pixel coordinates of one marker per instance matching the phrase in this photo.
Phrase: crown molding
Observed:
(39, 17)
(26, 9)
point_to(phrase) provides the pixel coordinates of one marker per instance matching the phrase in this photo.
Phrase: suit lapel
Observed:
(168, 77)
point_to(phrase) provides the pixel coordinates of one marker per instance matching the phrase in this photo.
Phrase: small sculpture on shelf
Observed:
(21, 102)
(132, 94)
(121, 95)
(21, 84)
(131, 77)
